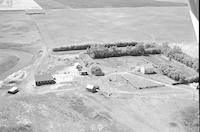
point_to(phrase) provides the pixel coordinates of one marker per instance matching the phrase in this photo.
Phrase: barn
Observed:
(44, 79)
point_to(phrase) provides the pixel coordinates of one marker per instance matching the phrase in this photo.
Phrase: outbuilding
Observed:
(44, 79)
(92, 88)
(13, 90)
(83, 72)
(147, 69)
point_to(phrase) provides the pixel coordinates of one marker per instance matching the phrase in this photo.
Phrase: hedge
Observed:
(186, 60)
(152, 51)
(177, 54)
(193, 79)
(100, 51)
(72, 47)
(85, 46)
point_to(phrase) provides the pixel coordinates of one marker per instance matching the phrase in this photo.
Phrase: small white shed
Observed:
(147, 69)
(13, 90)
(92, 88)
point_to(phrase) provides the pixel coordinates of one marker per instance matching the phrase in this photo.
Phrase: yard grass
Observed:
(120, 64)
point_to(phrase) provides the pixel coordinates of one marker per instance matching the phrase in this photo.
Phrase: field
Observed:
(108, 3)
(27, 38)
(111, 25)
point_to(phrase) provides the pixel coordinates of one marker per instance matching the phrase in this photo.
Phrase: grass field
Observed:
(18, 28)
(117, 3)
(111, 25)
(7, 62)
(120, 63)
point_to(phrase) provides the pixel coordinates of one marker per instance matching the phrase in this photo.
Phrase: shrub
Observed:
(100, 51)
(72, 47)
(172, 72)
(150, 45)
(85, 46)
(152, 51)
(96, 70)
(140, 49)
(165, 48)
(193, 79)
(177, 54)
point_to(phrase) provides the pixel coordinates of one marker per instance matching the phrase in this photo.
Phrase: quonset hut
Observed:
(44, 79)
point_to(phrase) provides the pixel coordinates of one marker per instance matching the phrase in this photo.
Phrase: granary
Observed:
(44, 79)
(147, 69)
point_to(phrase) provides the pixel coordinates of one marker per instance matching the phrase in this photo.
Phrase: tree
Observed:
(140, 49)
(96, 70)
(177, 49)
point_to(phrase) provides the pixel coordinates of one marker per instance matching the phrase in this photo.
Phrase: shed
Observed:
(44, 79)
(147, 69)
(92, 88)
(13, 90)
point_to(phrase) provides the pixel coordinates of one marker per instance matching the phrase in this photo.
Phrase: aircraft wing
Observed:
(194, 13)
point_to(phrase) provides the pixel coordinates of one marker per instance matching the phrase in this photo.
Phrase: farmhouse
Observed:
(44, 79)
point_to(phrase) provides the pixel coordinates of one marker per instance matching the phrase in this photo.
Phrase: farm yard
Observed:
(98, 66)
(122, 92)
